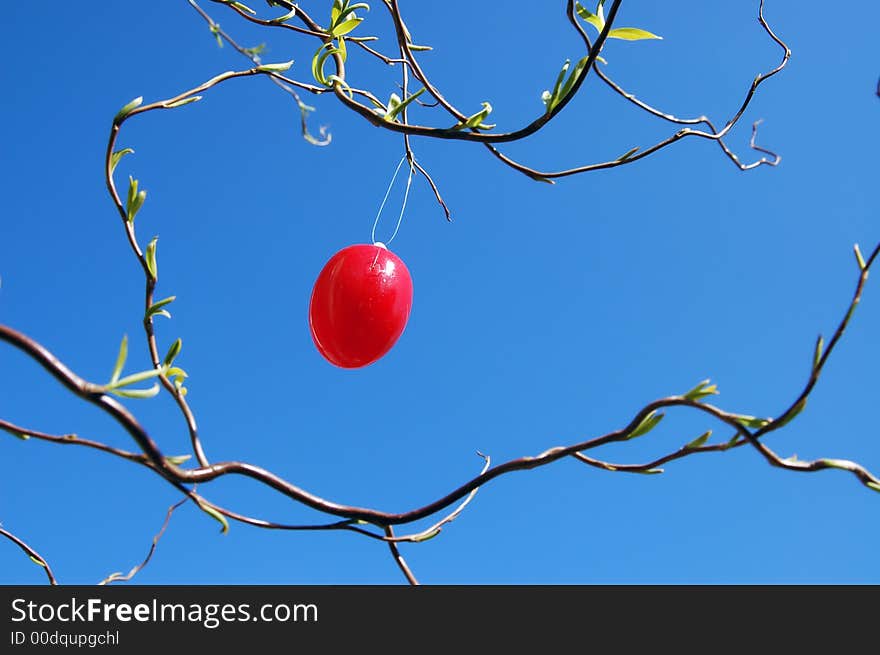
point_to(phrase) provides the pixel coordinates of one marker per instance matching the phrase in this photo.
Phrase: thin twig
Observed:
(119, 577)
(395, 553)
(490, 140)
(435, 529)
(287, 87)
(36, 558)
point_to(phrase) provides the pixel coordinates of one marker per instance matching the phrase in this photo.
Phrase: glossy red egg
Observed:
(360, 305)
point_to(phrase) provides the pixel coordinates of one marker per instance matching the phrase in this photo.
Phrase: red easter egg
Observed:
(360, 305)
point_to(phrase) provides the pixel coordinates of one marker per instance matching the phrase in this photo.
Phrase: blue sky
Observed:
(542, 314)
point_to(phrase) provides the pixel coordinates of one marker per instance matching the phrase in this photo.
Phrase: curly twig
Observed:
(119, 577)
(345, 93)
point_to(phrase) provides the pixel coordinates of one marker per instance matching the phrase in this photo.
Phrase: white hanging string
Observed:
(385, 199)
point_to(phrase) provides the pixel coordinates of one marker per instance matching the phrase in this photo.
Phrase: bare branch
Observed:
(36, 558)
(395, 553)
(435, 529)
(119, 577)
(178, 476)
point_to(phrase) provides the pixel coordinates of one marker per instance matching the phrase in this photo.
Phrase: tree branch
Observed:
(119, 577)
(36, 558)
(178, 476)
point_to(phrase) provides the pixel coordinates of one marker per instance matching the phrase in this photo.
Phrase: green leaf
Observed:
(156, 307)
(150, 258)
(817, 354)
(117, 386)
(554, 94)
(20, 435)
(276, 68)
(873, 485)
(648, 423)
(588, 16)
(285, 17)
(427, 536)
(343, 49)
(628, 154)
(399, 106)
(342, 12)
(597, 20)
(631, 34)
(217, 516)
(134, 199)
(181, 103)
(732, 441)
(177, 460)
(173, 352)
(475, 121)
(797, 409)
(243, 7)
(574, 77)
(859, 259)
(120, 360)
(134, 378)
(751, 421)
(127, 109)
(215, 30)
(333, 80)
(135, 207)
(138, 203)
(317, 73)
(178, 375)
(326, 50)
(37, 561)
(338, 50)
(136, 393)
(699, 441)
(116, 156)
(702, 390)
(346, 27)
(255, 51)
(650, 471)
(563, 87)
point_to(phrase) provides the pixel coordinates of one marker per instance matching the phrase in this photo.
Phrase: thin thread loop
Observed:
(388, 193)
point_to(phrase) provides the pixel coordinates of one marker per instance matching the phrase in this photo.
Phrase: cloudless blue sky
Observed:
(542, 314)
